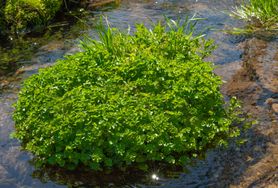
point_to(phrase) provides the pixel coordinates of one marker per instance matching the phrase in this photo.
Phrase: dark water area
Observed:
(221, 168)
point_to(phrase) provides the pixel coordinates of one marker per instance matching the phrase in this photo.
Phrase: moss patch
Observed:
(22, 14)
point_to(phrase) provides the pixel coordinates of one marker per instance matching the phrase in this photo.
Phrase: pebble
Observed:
(275, 107)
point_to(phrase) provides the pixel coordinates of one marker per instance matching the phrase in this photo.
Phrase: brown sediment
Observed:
(256, 85)
(99, 3)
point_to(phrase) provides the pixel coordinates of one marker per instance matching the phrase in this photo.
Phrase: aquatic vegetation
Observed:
(2, 21)
(127, 100)
(21, 14)
(260, 15)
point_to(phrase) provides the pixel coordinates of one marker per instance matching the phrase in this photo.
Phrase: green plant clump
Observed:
(260, 15)
(126, 100)
(2, 21)
(22, 14)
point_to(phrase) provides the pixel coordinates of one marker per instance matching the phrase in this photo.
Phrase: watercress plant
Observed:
(127, 100)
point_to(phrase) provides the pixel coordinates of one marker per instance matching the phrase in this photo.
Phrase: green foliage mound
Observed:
(126, 100)
(22, 14)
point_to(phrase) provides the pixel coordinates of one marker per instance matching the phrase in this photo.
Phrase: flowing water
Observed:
(222, 167)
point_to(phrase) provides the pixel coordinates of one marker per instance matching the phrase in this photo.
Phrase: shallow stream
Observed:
(222, 167)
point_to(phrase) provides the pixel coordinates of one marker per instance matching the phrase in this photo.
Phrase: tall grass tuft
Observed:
(260, 15)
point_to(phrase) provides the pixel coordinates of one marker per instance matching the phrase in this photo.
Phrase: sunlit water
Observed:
(15, 169)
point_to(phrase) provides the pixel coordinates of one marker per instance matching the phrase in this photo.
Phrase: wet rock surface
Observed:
(259, 74)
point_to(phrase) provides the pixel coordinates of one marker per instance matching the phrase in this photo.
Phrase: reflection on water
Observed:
(116, 178)
(15, 169)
